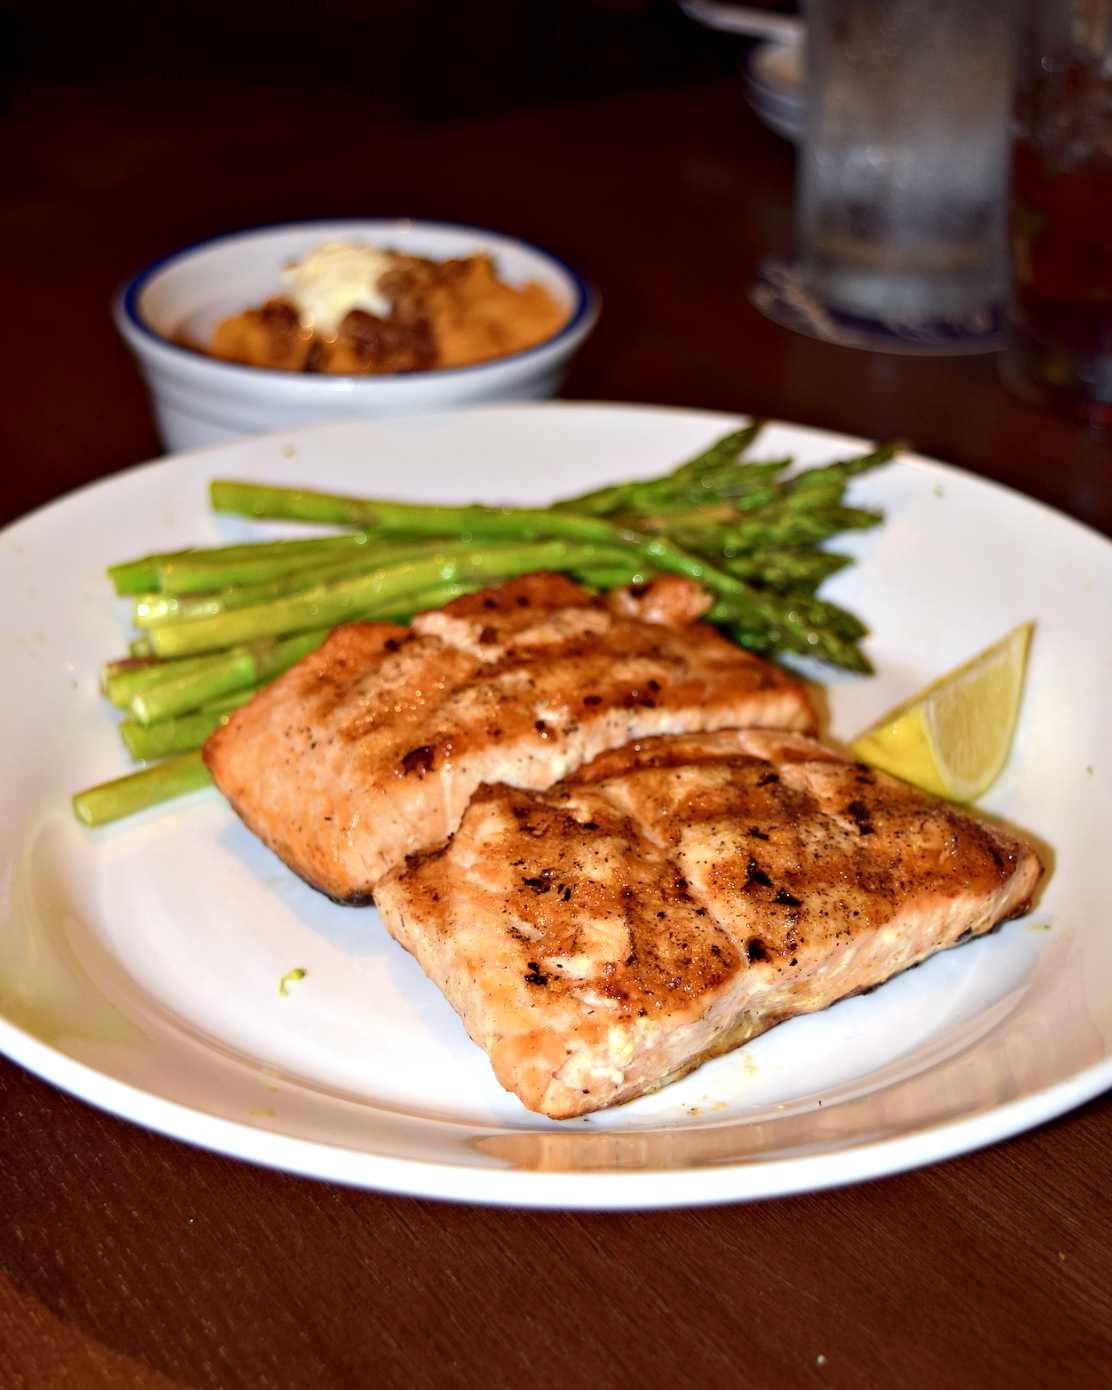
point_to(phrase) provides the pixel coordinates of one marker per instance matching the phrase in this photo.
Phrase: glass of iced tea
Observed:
(1059, 349)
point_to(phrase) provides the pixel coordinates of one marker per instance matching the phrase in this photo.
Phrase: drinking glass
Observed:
(1059, 349)
(901, 183)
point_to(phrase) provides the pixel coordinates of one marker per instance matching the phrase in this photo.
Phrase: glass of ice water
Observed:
(902, 177)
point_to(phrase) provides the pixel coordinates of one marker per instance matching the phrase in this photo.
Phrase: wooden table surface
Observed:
(127, 1259)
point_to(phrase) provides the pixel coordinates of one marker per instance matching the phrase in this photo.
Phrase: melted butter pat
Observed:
(334, 279)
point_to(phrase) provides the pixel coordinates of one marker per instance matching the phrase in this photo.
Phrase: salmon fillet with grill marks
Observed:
(678, 896)
(370, 748)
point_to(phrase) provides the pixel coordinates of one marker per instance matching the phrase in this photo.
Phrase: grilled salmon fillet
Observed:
(678, 896)
(370, 748)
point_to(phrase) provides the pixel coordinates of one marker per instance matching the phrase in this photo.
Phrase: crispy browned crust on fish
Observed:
(370, 748)
(678, 896)
(265, 759)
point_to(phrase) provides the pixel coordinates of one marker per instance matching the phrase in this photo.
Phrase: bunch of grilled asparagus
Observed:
(216, 625)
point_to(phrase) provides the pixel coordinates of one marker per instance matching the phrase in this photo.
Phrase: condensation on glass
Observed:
(902, 178)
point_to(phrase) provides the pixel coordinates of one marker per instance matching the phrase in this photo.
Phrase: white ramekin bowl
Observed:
(199, 400)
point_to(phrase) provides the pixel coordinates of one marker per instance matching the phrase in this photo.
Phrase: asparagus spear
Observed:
(483, 525)
(122, 684)
(613, 576)
(131, 679)
(212, 588)
(412, 519)
(137, 576)
(779, 528)
(133, 576)
(769, 514)
(404, 609)
(808, 490)
(125, 680)
(743, 485)
(187, 692)
(845, 469)
(240, 667)
(689, 476)
(110, 669)
(366, 596)
(206, 571)
(717, 471)
(185, 732)
(768, 622)
(797, 571)
(370, 596)
(290, 504)
(124, 796)
(152, 609)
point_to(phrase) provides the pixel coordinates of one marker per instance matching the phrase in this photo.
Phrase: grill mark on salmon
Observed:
(678, 896)
(370, 748)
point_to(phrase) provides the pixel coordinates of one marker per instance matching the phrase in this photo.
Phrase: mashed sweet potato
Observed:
(441, 314)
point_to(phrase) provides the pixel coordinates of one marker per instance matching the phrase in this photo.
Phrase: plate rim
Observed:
(602, 1189)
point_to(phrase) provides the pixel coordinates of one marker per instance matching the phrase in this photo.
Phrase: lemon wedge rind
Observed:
(952, 739)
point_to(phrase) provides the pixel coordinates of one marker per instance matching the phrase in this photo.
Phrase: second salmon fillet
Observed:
(370, 749)
(679, 896)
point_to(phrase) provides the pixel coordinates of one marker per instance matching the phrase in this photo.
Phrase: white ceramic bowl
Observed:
(773, 75)
(199, 400)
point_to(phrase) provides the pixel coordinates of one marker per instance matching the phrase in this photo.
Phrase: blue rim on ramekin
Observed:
(126, 298)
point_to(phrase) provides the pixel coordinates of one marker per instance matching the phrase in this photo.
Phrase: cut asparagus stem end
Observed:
(124, 796)
(145, 743)
(190, 691)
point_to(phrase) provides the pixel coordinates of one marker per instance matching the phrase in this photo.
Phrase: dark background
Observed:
(436, 60)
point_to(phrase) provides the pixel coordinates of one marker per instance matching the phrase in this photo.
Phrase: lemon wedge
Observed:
(952, 739)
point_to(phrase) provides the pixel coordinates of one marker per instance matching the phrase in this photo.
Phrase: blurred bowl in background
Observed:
(773, 79)
(200, 400)
(772, 71)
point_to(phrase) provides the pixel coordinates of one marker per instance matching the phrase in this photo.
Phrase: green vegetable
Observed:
(134, 576)
(203, 571)
(232, 670)
(184, 733)
(152, 609)
(128, 665)
(293, 575)
(737, 528)
(781, 526)
(791, 571)
(404, 609)
(138, 790)
(288, 979)
(613, 576)
(715, 474)
(220, 623)
(365, 596)
(137, 576)
(189, 692)
(123, 680)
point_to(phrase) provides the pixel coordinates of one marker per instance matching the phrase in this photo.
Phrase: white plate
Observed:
(140, 964)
